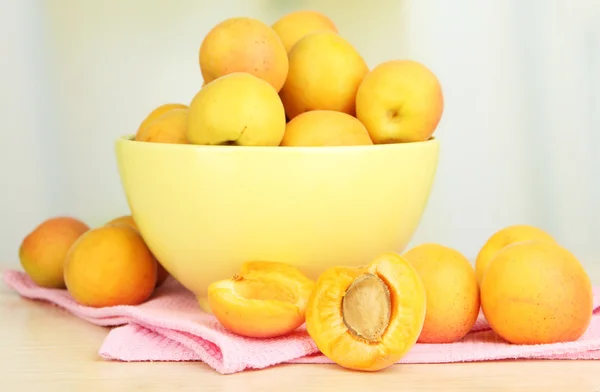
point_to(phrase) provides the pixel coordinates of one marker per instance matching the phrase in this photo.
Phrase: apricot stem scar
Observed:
(367, 307)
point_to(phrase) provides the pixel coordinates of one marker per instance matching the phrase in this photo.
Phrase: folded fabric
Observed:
(171, 327)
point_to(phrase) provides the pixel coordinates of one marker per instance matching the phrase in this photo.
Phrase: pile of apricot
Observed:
(530, 289)
(108, 265)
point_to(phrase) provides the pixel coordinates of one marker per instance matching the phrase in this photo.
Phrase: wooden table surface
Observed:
(46, 348)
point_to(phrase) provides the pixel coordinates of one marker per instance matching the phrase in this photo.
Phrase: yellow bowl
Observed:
(204, 210)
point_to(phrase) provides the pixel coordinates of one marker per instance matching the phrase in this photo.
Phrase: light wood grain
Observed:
(46, 348)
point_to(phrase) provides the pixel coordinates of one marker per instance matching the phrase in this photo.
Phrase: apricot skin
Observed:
(325, 128)
(243, 44)
(400, 101)
(161, 274)
(157, 112)
(110, 266)
(502, 238)
(125, 220)
(171, 127)
(452, 292)
(537, 292)
(265, 300)
(325, 71)
(296, 25)
(43, 251)
(325, 320)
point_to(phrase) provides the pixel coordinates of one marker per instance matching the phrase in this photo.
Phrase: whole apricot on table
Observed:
(110, 266)
(367, 318)
(502, 238)
(325, 128)
(236, 109)
(43, 251)
(171, 127)
(537, 292)
(161, 274)
(295, 25)
(452, 292)
(157, 112)
(325, 72)
(264, 300)
(400, 101)
(243, 44)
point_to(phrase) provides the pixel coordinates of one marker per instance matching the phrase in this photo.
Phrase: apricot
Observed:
(537, 292)
(243, 44)
(264, 300)
(110, 266)
(367, 318)
(236, 109)
(161, 274)
(42, 252)
(324, 74)
(295, 25)
(171, 127)
(125, 220)
(452, 292)
(400, 101)
(157, 112)
(502, 238)
(325, 128)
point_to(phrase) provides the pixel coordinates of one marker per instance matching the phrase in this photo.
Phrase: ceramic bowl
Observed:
(204, 210)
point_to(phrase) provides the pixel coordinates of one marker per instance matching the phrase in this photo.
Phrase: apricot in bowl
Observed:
(205, 210)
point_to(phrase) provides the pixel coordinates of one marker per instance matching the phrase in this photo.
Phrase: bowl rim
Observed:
(129, 140)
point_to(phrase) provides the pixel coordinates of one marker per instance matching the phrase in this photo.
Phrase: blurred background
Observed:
(518, 137)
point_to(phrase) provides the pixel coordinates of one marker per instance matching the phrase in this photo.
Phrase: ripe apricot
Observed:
(369, 317)
(325, 128)
(157, 112)
(161, 273)
(400, 101)
(502, 238)
(125, 220)
(109, 266)
(170, 127)
(236, 109)
(537, 292)
(42, 252)
(452, 292)
(325, 71)
(295, 25)
(243, 44)
(264, 300)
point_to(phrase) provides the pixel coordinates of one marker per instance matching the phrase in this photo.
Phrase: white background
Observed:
(519, 135)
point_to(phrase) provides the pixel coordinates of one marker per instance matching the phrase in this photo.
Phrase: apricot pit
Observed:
(366, 307)
(367, 318)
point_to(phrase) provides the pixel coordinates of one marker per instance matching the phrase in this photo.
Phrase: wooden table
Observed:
(46, 348)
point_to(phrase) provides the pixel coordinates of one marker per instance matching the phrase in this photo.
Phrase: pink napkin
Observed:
(171, 327)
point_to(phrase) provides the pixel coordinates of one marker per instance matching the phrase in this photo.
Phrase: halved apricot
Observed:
(369, 317)
(264, 300)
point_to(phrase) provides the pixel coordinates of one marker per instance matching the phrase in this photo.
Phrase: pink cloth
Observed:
(171, 327)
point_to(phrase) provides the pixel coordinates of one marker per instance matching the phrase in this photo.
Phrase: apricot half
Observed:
(367, 318)
(264, 300)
